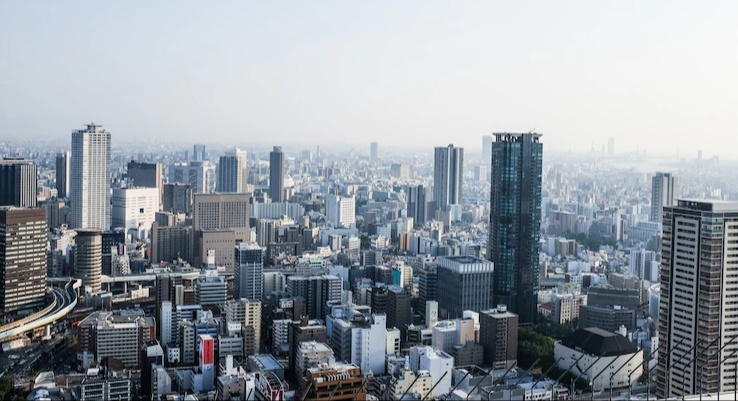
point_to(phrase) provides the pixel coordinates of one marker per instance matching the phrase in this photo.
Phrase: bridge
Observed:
(64, 299)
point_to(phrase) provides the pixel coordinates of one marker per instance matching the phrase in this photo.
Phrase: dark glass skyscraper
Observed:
(515, 221)
(448, 176)
(276, 174)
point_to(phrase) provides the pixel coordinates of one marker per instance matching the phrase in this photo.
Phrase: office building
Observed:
(17, 182)
(373, 152)
(498, 334)
(90, 181)
(23, 262)
(199, 175)
(145, 175)
(664, 192)
(696, 318)
(399, 313)
(310, 354)
(248, 267)
(171, 243)
(120, 335)
(340, 210)
(276, 175)
(134, 209)
(359, 338)
(487, 150)
(113, 387)
(336, 381)
(223, 211)
(63, 174)
(247, 313)
(317, 291)
(198, 153)
(416, 203)
(232, 172)
(400, 170)
(177, 198)
(88, 258)
(515, 221)
(464, 283)
(211, 290)
(448, 176)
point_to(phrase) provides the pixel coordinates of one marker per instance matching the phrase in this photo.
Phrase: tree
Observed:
(366, 242)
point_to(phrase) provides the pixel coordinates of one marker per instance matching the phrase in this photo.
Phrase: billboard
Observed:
(207, 351)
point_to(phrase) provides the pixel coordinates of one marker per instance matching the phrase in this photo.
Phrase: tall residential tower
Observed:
(664, 192)
(276, 175)
(448, 174)
(90, 184)
(515, 221)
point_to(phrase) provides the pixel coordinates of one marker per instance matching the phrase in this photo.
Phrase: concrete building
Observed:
(664, 192)
(63, 174)
(23, 260)
(696, 317)
(317, 291)
(600, 350)
(464, 283)
(17, 182)
(340, 210)
(88, 259)
(223, 211)
(276, 175)
(359, 339)
(438, 364)
(135, 209)
(214, 248)
(177, 198)
(199, 175)
(90, 183)
(232, 172)
(247, 313)
(210, 289)
(310, 354)
(171, 243)
(248, 267)
(498, 333)
(301, 332)
(515, 218)
(448, 176)
(145, 175)
(337, 381)
(120, 335)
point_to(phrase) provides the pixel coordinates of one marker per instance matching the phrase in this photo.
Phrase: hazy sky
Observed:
(653, 74)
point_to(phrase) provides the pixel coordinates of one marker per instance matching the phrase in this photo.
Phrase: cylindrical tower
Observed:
(88, 258)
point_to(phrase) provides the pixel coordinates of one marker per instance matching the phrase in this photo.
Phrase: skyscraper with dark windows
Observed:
(416, 203)
(448, 174)
(63, 172)
(276, 175)
(515, 221)
(232, 173)
(17, 182)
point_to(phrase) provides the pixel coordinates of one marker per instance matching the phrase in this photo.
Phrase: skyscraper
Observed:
(232, 173)
(276, 175)
(17, 182)
(487, 149)
(416, 203)
(448, 174)
(464, 283)
(145, 175)
(88, 258)
(199, 175)
(373, 151)
(248, 280)
(23, 242)
(90, 183)
(340, 210)
(664, 192)
(199, 153)
(63, 172)
(696, 309)
(515, 221)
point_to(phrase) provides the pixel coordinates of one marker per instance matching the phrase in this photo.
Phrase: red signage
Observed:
(207, 353)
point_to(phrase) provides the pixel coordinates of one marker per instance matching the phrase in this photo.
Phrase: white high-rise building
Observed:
(232, 172)
(340, 210)
(699, 289)
(664, 192)
(90, 181)
(368, 345)
(135, 209)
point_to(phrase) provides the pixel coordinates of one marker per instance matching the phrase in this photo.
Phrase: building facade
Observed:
(276, 175)
(464, 283)
(90, 181)
(664, 192)
(448, 176)
(232, 172)
(17, 182)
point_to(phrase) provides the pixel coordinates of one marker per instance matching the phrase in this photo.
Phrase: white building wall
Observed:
(135, 210)
(567, 360)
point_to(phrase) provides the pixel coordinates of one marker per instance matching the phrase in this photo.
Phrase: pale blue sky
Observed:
(653, 74)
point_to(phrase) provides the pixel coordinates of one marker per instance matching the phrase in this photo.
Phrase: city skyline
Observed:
(583, 73)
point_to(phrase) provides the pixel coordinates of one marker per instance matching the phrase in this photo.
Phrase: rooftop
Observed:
(595, 341)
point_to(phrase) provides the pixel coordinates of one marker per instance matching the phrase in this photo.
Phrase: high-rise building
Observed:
(464, 283)
(300, 332)
(88, 258)
(170, 243)
(177, 198)
(664, 192)
(317, 291)
(23, 243)
(134, 209)
(515, 221)
(248, 267)
(17, 182)
(199, 175)
(223, 211)
(144, 175)
(697, 322)
(276, 175)
(90, 182)
(199, 153)
(63, 174)
(487, 150)
(448, 176)
(232, 172)
(211, 290)
(498, 333)
(340, 210)
(416, 203)
(247, 313)
(373, 151)
(120, 335)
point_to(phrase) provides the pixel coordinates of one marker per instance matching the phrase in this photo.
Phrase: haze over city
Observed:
(653, 75)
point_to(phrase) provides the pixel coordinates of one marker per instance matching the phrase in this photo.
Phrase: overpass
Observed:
(63, 301)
